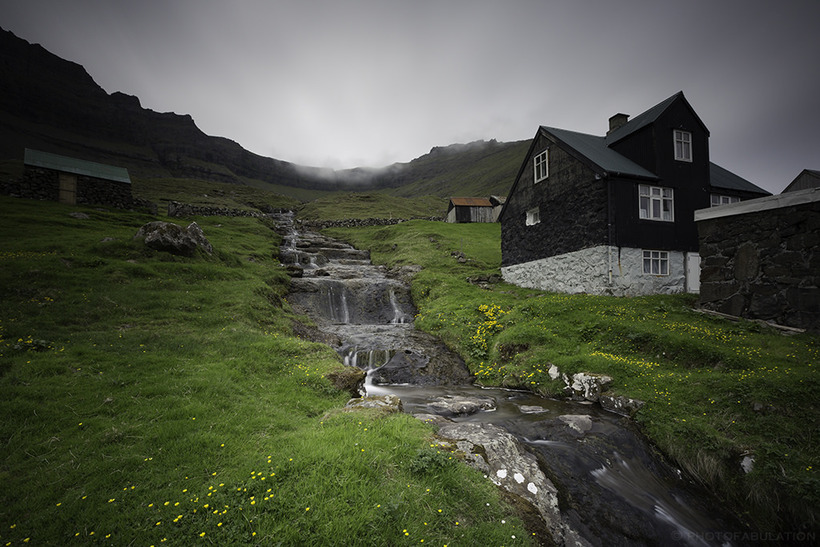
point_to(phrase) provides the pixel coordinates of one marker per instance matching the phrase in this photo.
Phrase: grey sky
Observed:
(354, 83)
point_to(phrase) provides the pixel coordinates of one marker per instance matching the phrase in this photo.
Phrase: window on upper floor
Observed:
(533, 216)
(656, 262)
(656, 203)
(683, 145)
(541, 166)
(718, 199)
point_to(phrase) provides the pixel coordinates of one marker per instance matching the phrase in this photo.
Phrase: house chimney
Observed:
(617, 121)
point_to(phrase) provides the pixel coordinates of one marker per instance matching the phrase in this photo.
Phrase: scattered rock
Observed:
(747, 463)
(578, 422)
(620, 404)
(586, 386)
(531, 409)
(107, 239)
(169, 237)
(78, 215)
(386, 403)
(457, 405)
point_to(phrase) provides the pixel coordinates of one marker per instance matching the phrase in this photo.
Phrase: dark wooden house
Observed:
(614, 214)
(74, 181)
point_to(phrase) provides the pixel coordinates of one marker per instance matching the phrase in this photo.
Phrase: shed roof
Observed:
(596, 150)
(721, 178)
(470, 202)
(46, 160)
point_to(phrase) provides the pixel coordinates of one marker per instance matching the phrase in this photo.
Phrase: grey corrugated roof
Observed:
(47, 160)
(722, 178)
(595, 149)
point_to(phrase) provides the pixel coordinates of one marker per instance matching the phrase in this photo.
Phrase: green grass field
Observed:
(150, 399)
(715, 390)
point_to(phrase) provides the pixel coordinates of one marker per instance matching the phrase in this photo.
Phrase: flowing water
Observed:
(613, 487)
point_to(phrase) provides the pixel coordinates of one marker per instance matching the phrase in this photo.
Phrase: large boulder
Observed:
(172, 238)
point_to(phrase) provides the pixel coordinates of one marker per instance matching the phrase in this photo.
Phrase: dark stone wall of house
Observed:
(572, 204)
(763, 265)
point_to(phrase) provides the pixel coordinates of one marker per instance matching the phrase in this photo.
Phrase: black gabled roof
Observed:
(648, 117)
(596, 151)
(722, 178)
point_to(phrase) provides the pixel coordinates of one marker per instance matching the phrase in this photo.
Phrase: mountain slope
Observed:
(54, 105)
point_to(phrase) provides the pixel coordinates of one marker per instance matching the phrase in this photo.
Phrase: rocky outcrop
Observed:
(501, 458)
(172, 238)
(349, 379)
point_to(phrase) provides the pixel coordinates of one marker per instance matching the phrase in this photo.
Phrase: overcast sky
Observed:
(358, 82)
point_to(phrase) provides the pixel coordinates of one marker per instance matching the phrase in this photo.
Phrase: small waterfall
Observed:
(398, 315)
(337, 303)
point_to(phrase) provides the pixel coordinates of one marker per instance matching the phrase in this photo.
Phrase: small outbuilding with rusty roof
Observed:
(470, 210)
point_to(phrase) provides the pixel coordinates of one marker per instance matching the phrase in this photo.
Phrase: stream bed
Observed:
(593, 478)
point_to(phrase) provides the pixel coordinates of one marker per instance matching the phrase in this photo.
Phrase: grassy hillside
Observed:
(372, 205)
(152, 399)
(716, 391)
(476, 169)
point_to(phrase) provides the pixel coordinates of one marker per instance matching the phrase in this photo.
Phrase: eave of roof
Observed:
(723, 178)
(46, 160)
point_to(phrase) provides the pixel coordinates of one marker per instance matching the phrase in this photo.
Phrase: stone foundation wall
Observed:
(587, 271)
(762, 260)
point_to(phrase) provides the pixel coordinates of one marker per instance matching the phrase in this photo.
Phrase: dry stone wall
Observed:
(764, 264)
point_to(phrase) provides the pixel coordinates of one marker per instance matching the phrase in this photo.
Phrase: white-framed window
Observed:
(541, 166)
(718, 200)
(533, 216)
(683, 145)
(656, 262)
(656, 203)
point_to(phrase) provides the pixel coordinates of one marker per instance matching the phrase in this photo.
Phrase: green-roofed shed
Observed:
(74, 181)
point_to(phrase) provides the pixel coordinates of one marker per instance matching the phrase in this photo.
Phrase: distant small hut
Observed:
(808, 178)
(73, 181)
(470, 210)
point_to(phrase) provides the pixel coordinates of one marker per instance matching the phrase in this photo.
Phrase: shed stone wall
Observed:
(43, 184)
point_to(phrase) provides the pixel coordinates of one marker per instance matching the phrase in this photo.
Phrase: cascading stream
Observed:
(613, 488)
